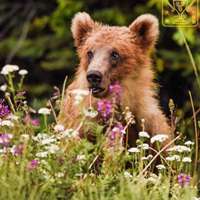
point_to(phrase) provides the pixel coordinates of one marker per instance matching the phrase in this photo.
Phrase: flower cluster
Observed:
(104, 107)
(5, 139)
(116, 90)
(9, 69)
(79, 95)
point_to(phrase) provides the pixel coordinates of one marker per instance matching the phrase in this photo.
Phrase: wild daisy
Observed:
(44, 111)
(144, 146)
(160, 167)
(42, 154)
(189, 143)
(186, 160)
(23, 72)
(144, 134)
(3, 87)
(133, 150)
(173, 158)
(7, 123)
(179, 148)
(9, 69)
(159, 138)
(79, 95)
(59, 128)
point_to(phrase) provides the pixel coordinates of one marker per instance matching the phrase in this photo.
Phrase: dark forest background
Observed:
(36, 36)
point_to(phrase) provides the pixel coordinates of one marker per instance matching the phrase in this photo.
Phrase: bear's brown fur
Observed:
(132, 69)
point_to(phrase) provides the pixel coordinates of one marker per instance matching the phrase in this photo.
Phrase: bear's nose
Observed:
(94, 78)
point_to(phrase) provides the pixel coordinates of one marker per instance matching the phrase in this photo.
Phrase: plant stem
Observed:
(196, 133)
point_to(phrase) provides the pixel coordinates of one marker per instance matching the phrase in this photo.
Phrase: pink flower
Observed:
(33, 164)
(184, 179)
(116, 90)
(4, 110)
(18, 150)
(30, 121)
(5, 139)
(104, 108)
(116, 133)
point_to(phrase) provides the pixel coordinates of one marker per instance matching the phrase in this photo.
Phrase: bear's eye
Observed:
(90, 55)
(115, 56)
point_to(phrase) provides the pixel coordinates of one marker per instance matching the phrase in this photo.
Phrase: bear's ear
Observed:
(145, 30)
(81, 25)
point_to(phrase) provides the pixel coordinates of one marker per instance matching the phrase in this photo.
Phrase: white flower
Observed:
(133, 150)
(189, 143)
(179, 148)
(44, 111)
(59, 174)
(79, 95)
(8, 69)
(173, 158)
(127, 175)
(187, 159)
(59, 128)
(23, 72)
(144, 134)
(80, 157)
(42, 154)
(40, 136)
(53, 148)
(44, 139)
(12, 117)
(6, 123)
(67, 133)
(3, 87)
(144, 146)
(48, 141)
(159, 138)
(90, 112)
(160, 167)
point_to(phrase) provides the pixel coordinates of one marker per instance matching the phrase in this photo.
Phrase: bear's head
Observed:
(112, 53)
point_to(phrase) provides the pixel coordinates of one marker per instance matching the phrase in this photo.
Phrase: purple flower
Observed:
(18, 150)
(116, 131)
(4, 110)
(184, 179)
(5, 139)
(104, 107)
(33, 164)
(116, 135)
(29, 121)
(116, 90)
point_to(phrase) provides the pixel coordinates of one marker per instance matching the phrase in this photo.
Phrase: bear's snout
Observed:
(94, 78)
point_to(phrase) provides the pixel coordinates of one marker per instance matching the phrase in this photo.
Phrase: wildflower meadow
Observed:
(41, 159)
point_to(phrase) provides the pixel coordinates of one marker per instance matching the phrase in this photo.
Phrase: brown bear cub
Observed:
(112, 53)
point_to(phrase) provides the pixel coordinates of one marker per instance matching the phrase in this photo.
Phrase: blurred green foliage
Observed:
(36, 35)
